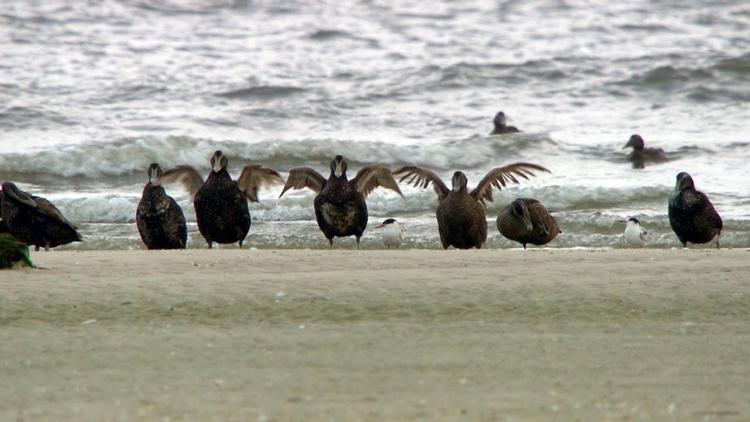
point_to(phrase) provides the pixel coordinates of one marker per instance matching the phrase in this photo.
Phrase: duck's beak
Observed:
(380, 226)
(629, 144)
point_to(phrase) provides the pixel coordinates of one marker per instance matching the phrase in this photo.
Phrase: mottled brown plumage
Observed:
(340, 207)
(160, 220)
(692, 215)
(461, 217)
(526, 220)
(221, 203)
(34, 220)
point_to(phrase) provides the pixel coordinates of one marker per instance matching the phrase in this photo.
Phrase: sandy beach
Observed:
(377, 335)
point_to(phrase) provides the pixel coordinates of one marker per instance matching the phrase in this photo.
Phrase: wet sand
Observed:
(377, 335)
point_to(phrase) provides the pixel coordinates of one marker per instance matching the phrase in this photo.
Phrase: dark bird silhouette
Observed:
(221, 203)
(34, 220)
(691, 214)
(340, 206)
(3, 225)
(501, 127)
(526, 220)
(640, 154)
(160, 220)
(461, 216)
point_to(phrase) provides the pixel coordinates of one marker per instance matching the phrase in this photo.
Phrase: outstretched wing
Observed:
(422, 178)
(254, 176)
(304, 177)
(370, 177)
(501, 176)
(189, 177)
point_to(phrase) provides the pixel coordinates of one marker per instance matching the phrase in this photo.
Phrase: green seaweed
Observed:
(13, 251)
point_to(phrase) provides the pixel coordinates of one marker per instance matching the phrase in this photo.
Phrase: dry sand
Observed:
(393, 335)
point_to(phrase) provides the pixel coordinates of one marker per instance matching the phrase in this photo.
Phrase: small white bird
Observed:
(635, 235)
(391, 233)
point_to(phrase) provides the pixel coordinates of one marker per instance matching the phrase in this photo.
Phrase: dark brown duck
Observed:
(501, 127)
(641, 155)
(526, 220)
(34, 220)
(461, 217)
(340, 207)
(160, 220)
(691, 214)
(221, 203)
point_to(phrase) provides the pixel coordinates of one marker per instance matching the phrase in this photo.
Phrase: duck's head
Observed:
(520, 210)
(499, 119)
(219, 161)
(459, 181)
(684, 181)
(11, 191)
(154, 173)
(633, 220)
(635, 141)
(386, 222)
(338, 166)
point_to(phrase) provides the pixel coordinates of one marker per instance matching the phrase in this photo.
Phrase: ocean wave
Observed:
(130, 156)
(93, 207)
(24, 117)
(262, 92)
(698, 84)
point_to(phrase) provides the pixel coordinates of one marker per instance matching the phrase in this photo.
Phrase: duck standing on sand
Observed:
(640, 154)
(691, 214)
(221, 203)
(635, 235)
(160, 220)
(34, 220)
(391, 233)
(526, 220)
(462, 222)
(501, 127)
(340, 206)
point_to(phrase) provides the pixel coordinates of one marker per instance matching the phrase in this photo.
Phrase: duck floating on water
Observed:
(462, 221)
(160, 220)
(640, 154)
(635, 235)
(340, 207)
(34, 220)
(221, 203)
(526, 220)
(501, 127)
(391, 233)
(692, 215)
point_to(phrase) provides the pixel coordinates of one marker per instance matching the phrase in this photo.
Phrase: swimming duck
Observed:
(391, 233)
(526, 220)
(501, 127)
(635, 234)
(462, 221)
(640, 155)
(340, 207)
(221, 203)
(691, 214)
(34, 220)
(160, 220)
